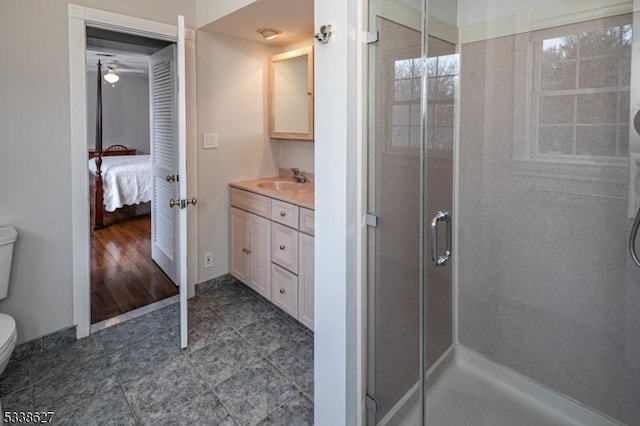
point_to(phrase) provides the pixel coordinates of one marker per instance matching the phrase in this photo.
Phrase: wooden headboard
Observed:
(114, 150)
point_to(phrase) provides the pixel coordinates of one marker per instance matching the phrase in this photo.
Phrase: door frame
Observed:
(79, 18)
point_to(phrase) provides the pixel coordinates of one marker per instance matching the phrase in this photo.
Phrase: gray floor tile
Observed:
(129, 333)
(110, 408)
(223, 358)
(27, 349)
(296, 361)
(169, 316)
(204, 328)
(272, 333)
(61, 360)
(14, 377)
(255, 392)
(146, 358)
(61, 393)
(18, 401)
(297, 412)
(205, 409)
(155, 396)
(244, 312)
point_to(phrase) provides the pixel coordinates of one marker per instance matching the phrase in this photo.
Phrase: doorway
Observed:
(79, 19)
(124, 276)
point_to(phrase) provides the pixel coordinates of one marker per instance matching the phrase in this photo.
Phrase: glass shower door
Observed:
(517, 119)
(411, 133)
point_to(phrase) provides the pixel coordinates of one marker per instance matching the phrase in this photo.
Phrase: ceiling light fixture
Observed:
(269, 33)
(111, 77)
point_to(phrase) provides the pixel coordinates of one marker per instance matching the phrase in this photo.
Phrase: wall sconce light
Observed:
(269, 33)
(111, 77)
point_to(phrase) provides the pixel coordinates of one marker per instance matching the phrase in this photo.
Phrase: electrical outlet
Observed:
(207, 259)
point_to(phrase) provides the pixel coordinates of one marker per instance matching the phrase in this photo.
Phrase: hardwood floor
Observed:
(123, 276)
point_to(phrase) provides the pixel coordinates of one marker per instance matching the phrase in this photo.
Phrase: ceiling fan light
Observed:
(269, 33)
(111, 77)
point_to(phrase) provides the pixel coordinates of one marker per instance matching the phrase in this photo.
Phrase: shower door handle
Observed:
(435, 258)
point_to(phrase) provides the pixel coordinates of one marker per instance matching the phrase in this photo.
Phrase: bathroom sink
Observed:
(281, 185)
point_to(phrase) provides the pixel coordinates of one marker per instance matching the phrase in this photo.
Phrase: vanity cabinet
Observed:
(251, 250)
(305, 280)
(272, 251)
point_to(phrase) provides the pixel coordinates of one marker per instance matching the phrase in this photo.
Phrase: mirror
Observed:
(291, 95)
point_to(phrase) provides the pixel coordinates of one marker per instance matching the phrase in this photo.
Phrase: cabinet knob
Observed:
(246, 250)
(282, 291)
(283, 214)
(282, 247)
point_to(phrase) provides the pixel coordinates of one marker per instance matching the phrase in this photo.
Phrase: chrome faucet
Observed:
(299, 177)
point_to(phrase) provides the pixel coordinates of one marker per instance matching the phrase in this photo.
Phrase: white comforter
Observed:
(126, 180)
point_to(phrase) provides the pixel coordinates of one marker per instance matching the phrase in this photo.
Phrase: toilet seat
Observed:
(8, 333)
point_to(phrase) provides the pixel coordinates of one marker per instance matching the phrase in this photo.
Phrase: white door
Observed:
(163, 89)
(169, 169)
(182, 172)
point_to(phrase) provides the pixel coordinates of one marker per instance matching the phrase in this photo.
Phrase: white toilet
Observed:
(8, 334)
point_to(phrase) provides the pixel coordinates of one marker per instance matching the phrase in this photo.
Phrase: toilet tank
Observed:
(8, 236)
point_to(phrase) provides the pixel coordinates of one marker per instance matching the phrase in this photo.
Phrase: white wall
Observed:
(338, 196)
(125, 109)
(295, 153)
(35, 179)
(212, 10)
(232, 77)
(34, 163)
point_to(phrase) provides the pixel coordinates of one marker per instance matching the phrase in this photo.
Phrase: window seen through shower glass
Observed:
(581, 93)
(442, 80)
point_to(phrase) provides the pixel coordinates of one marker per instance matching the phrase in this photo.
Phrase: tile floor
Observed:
(247, 363)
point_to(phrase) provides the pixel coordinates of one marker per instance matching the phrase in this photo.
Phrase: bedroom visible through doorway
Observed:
(123, 275)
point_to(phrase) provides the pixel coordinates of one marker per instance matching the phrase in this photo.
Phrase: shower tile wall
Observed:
(545, 284)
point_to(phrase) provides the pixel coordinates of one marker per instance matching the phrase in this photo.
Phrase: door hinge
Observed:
(372, 220)
(371, 37)
(371, 403)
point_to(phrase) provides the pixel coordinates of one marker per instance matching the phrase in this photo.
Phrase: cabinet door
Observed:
(260, 265)
(305, 281)
(240, 243)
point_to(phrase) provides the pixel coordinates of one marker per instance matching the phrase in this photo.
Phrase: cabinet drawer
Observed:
(251, 202)
(284, 213)
(284, 290)
(307, 218)
(284, 247)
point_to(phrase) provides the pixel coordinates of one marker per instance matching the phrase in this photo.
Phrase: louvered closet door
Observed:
(164, 160)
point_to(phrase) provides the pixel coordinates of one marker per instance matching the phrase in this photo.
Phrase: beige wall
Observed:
(35, 178)
(231, 101)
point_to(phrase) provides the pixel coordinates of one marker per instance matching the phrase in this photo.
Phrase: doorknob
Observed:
(171, 178)
(183, 203)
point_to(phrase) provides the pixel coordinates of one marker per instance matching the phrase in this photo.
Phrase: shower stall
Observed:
(503, 183)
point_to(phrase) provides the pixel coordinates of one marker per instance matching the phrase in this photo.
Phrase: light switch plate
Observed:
(210, 141)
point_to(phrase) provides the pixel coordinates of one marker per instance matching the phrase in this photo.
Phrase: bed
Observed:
(126, 180)
(118, 179)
